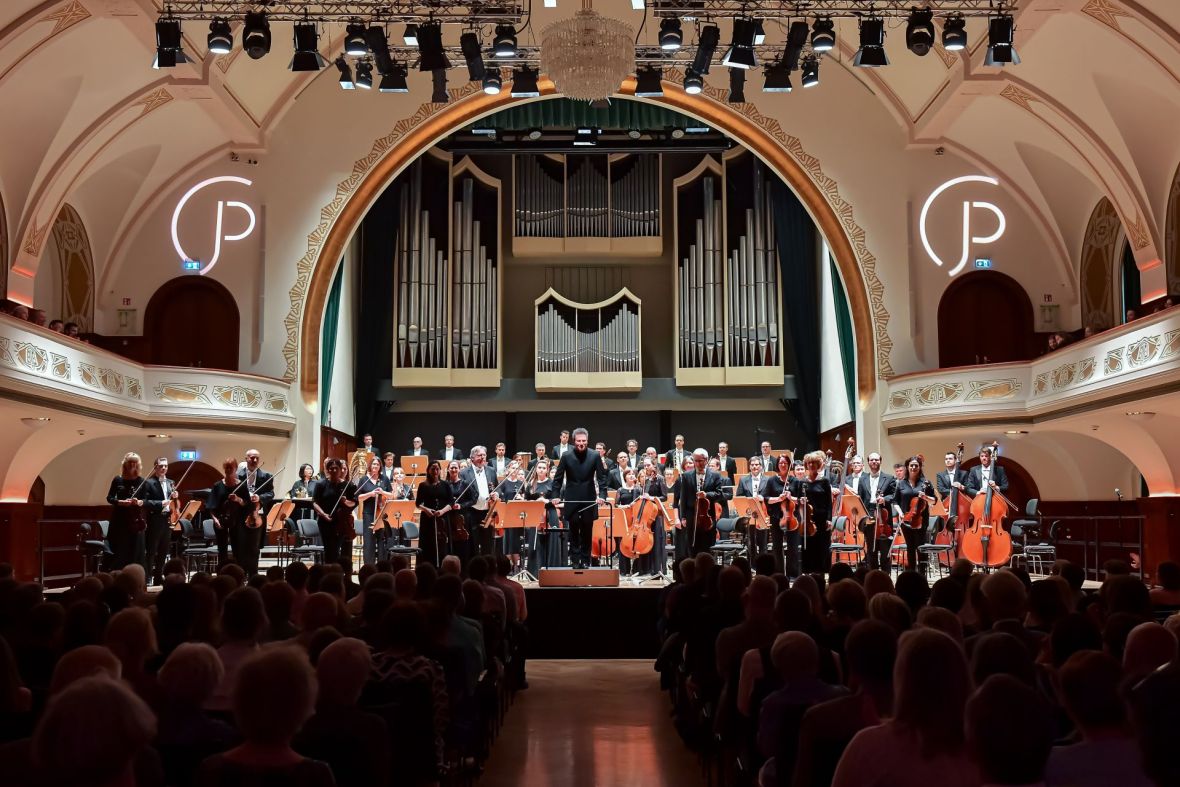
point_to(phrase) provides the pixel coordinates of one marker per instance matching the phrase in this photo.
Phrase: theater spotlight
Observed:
(671, 36)
(430, 44)
(493, 83)
(693, 82)
(1001, 31)
(524, 83)
(737, 85)
(872, 44)
(364, 75)
(954, 34)
(410, 36)
(919, 31)
(759, 33)
(346, 80)
(256, 35)
(823, 35)
(778, 78)
(706, 47)
(504, 44)
(221, 38)
(469, 43)
(395, 80)
(379, 46)
(810, 76)
(354, 40)
(307, 48)
(440, 94)
(741, 49)
(648, 82)
(168, 53)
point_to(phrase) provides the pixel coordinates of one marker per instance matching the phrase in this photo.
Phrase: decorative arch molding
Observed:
(1100, 265)
(63, 14)
(1172, 235)
(3, 248)
(411, 136)
(77, 269)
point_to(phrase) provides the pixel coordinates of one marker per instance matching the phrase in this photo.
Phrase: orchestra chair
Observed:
(94, 550)
(933, 552)
(307, 531)
(1040, 552)
(743, 466)
(840, 550)
(206, 554)
(410, 528)
(726, 549)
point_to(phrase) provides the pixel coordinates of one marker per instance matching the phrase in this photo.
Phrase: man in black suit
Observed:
(577, 481)
(563, 445)
(247, 542)
(158, 491)
(615, 477)
(702, 483)
(633, 452)
(728, 463)
(945, 483)
(985, 474)
(367, 445)
(501, 461)
(754, 485)
(451, 452)
(608, 464)
(676, 456)
(417, 449)
(877, 489)
(478, 484)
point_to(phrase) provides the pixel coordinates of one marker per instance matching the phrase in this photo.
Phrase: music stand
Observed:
(518, 513)
(414, 465)
(188, 512)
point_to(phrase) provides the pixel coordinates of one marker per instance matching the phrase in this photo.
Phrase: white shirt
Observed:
(986, 472)
(873, 481)
(562, 448)
(481, 485)
(449, 453)
(755, 484)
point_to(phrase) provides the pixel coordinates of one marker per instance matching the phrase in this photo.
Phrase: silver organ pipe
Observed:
(754, 323)
(588, 338)
(591, 197)
(635, 197)
(702, 292)
(421, 275)
(474, 314)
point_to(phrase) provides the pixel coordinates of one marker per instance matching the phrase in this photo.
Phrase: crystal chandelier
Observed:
(588, 55)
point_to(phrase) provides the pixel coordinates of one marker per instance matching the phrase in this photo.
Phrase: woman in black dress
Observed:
(434, 500)
(456, 522)
(777, 492)
(334, 501)
(552, 548)
(372, 491)
(626, 495)
(510, 489)
(914, 490)
(300, 493)
(656, 561)
(225, 507)
(818, 490)
(128, 517)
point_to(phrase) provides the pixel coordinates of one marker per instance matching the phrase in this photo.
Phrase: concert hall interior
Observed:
(817, 352)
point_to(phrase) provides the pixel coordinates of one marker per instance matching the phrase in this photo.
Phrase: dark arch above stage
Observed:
(854, 263)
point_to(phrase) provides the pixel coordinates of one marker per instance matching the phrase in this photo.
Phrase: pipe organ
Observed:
(587, 203)
(728, 302)
(447, 275)
(588, 346)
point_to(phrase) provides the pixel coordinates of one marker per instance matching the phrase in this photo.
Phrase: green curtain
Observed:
(328, 342)
(564, 113)
(844, 334)
(1131, 292)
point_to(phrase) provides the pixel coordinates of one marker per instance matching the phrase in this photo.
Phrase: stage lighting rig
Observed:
(872, 44)
(355, 44)
(395, 80)
(221, 38)
(1001, 32)
(671, 35)
(469, 44)
(307, 55)
(919, 31)
(168, 51)
(737, 85)
(648, 82)
(954, 34)
(256, 35)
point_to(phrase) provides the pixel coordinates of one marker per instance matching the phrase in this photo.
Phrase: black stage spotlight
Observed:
(440, 94)
(586, 137)
(221, 38)
(492, 82)
(737, 85)
(307, 48)
(647, 82)
(759, 33)
(693, 83)
(394, 81)
(823, 35)
(706, 46)
(504, 44)
(671, 36)
(469, 43)
(410, 36)
(919, 31)
(872, 44)
(346, 80)
(778, 78)
(430, 44)
(256, 35)
(364, 75)
(810, 76)
(168, 52)
(524, 83)
(954, 34)
(796, 40)
(1001, 31)
(354, 40)
(379, 45)
(741, 49)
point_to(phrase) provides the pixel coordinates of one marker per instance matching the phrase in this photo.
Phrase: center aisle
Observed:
(590, 723)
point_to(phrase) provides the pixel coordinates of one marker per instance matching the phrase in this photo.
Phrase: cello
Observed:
(958, 505)
(985, 542)
(639, 538)
(849, 511)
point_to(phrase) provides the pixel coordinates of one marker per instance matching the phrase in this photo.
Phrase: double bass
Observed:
(985, 542)
(849, 510)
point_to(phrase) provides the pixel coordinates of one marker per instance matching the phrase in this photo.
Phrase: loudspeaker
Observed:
(579, 578)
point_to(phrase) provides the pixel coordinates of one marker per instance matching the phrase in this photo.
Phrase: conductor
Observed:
(576, 481)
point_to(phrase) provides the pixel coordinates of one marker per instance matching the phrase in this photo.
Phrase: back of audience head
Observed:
(342, 670)
(1149, 647)
(427, 575)
(847, 601)
(1089, 691)
(794, 655)
(759, 597)
(731, 583)
(320, 610)
(941, 619)
(877, 581)
(473, 599)
(1116, 630)
(764, 564)
(191, 674)
(131, 636)
(274, 695)
(914, 589)
(935, 716)
(1001, 653)
(871, 652)
(1009, 731)
(451, 566)
(83, 662)
(793, 612)
(948, 593)
(1125, 593)
(890, 610)
(1155, 712)
(296, 575)
(243, 616)
(405, 585)
(405, 627)
(1004, 597)
(839, 571)
(14, 696)
(1072, 634)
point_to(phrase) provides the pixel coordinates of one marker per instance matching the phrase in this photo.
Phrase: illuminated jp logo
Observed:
(218, 237)
(968, 238)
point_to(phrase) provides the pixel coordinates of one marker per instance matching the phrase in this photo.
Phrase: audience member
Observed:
(187, 733)
(1009, 732)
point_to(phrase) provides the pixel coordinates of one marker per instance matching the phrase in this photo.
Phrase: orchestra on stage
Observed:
(573, 505)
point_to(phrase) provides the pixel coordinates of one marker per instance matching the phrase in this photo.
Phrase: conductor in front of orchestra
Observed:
(577, 481)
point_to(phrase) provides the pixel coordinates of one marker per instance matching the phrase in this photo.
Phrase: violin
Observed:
(255, 519)
(458, 524)
(137, 520)
(174, 502)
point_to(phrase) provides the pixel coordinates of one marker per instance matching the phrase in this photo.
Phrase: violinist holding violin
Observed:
(333, 502)
(702, 487)
(372, 490)
(260, 493)
(784, 530)
(479, 491)
(754, 486)
(434, 501)
(913, 496)
(128, 520)
(226, 507)
(158, 494)
(876, 491)
(817, 489)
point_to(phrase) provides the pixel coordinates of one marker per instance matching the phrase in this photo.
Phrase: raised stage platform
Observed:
(593, 622)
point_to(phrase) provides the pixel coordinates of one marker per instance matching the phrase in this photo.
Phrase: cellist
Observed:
(656, 488)
(625, 497)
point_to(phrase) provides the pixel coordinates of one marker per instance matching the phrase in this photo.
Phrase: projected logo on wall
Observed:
(969, 207)
(219, 226)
